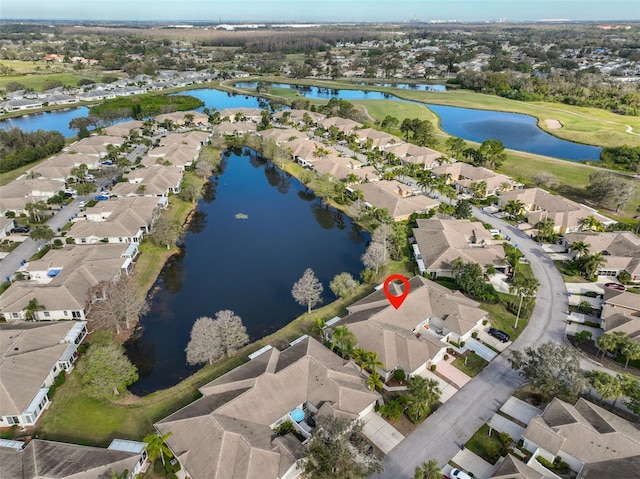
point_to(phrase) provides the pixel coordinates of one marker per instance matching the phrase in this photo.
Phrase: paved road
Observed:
(28, 247)
(439, 437)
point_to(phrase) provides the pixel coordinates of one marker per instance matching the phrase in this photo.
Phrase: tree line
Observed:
(19, 148)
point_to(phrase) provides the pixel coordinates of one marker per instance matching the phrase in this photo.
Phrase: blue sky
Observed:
(321, 10)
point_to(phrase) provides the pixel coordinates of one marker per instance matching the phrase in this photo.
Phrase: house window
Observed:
(55, 368)
(15, 315)
(83, 240)
(46, 314)
(76, 314)
(65, 313)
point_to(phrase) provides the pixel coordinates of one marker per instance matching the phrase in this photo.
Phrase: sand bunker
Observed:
(553, 124)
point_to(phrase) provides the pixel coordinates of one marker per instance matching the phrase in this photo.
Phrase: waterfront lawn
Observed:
(474, 365)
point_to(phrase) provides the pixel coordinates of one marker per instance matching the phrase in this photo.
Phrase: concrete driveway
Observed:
(382, 434)
(520, 410)
(502, 424)
(447, 389)
(475, 464)
(480, 349)
(451, 373)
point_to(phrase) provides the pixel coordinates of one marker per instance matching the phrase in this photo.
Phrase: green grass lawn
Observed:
(502, 318)
(474, 365)
(37, 80)
(488, 447)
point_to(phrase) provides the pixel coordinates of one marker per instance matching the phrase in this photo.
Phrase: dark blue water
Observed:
(516, 131)
(52, 120)
(402, 86)
(246, 265)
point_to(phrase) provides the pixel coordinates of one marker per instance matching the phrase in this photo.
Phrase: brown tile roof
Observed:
(396, 198)
(226, 434)
(441, 241)
(585, 431)
(513, 468)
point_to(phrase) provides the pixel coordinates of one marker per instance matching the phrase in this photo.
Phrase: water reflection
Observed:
(198, 221)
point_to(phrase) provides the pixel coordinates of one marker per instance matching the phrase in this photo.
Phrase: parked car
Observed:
(101, 197)
(616, 286)
(82, 204)
(20, 229)
(458, 474)
(499, 335)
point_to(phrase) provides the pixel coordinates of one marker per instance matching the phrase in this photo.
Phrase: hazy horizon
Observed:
(284, 11)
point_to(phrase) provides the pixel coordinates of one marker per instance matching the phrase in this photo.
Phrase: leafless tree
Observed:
(307, 290)
(383, 234)
(116, 305)
(165, 230)
(375, 256)
(213, 338)
(546, 179)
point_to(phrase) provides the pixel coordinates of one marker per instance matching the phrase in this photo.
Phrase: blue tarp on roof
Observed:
(53, 272)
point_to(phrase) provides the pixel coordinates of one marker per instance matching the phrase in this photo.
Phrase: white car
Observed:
(82, 204)
(458, 474)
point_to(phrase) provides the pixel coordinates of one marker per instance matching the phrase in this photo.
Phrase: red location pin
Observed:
(396, 301)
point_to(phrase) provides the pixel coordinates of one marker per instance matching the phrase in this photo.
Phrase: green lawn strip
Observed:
(503, 319)
(74, 417)
(485, 446)
(474, 365)
(562, 267)
(36, 81)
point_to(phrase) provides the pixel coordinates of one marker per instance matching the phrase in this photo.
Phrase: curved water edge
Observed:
(247, 264)
(517, 131)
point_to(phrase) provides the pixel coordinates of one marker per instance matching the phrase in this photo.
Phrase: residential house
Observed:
(397, 198)
(124, 128)
(155, 180)
(229, 432)
(176, 155)
(59, 99)
(409, 153)
(282, 136)
(621, 313)
(306, 151)
(297, 117)
(414, 337)
(372, 138)
(539, 205)
(20, 104)
(343, 124)
(341, 167)
(117, 220)
(190, 138)
(621, 250)
(96, 95)
(513, 468)
(594, 442)
(464, 177)
(6, 225)
(60, 282)
(17, 194)
(38, 459)
(179, 118)
(241, 114)
(439, 242)
(96, 145)
(32, 355)
(234, 128)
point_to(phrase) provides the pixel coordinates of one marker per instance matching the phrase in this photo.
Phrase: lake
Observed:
(246, 265)
(516, 131)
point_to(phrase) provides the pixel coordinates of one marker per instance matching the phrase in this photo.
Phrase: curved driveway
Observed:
(440, 436)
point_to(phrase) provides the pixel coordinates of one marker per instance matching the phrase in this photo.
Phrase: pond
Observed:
(515, 130)
(245, 265)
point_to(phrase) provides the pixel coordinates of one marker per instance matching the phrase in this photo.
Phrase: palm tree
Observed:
(610, 341)
(157, 447)
(371, 362)
(606, 385)
(590, 223)
(593, 263)
(422, 393)
(344, 339)
(123, 475)
(630, 349)
(580, 248)
(374, 381)
(513, 208)
(426, 181)
(318, 328)
(490, 270)
(359, 355)
(428, 470)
